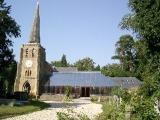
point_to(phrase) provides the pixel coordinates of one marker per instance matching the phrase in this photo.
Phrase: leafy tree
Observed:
(97, 68)
(85, 64)
(125, 52)
(60, 63)
(56, 63)
(144, 20)
(115, 70)
(141, 59)
(8, 29)
(64, 61)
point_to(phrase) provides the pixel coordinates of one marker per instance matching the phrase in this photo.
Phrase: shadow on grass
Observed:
(31, 106)
(39, 104)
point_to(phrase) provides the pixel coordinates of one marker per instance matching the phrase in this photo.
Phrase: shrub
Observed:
(21, 96)
(112, 112)
(63, 116)
(68, 92)
(71, 115)
(94, 98)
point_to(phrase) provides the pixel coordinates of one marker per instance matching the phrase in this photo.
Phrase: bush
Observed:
(94, 98)
(112, 112)
(71, 115)
(68, 92)
(21, 96)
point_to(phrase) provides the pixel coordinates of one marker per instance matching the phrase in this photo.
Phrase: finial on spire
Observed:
(35, 33)
(37, 2)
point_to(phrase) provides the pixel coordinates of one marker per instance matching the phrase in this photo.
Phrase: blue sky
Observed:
(77, 28)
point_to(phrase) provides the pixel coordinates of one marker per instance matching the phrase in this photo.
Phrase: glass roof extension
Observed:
(81, 79)
(127, 82)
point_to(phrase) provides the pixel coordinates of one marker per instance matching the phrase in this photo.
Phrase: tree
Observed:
(97, 68)
(64, 61)
(61, 63)
(144, 20)
(125, 52)
(8, 29)
(56, 63)
(115, 70)
(85, 64)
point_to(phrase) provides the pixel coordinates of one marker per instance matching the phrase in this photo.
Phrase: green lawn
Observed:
(7, 111)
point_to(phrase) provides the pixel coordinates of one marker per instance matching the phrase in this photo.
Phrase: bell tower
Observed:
(30, 69)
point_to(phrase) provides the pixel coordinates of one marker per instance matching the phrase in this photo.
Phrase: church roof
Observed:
(65, 69)
(85, 79)
(35, 33)
(127, 82)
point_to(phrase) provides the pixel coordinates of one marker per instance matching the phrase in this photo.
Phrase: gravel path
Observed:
(81, 105)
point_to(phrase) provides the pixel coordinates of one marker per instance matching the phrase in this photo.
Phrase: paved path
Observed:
(81, 105)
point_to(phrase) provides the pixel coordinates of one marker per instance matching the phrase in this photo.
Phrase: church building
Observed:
(37, 77)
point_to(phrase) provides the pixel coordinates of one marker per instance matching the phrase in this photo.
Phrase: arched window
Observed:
(26, 73)
(30, 73)
(27, 52)
(33, 52)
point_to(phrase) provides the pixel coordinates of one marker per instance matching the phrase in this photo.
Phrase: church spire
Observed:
(35, 33)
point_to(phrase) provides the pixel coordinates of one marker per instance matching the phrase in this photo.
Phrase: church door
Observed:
(85, 92)
(26, 87)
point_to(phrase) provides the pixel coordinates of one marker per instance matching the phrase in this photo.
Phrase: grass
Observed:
(32, 106)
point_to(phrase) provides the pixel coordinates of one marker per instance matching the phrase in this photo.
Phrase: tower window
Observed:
(33, 52)
(28, 73)
(27, 52)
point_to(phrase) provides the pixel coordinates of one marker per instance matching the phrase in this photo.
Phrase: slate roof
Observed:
(85, 79)
(65, 69)
(127, 82)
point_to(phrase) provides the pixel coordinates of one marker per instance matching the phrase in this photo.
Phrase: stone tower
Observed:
(31, 68)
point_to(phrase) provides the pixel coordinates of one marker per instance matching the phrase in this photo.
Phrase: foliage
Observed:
(122, 93)
(115, 70)
(97, 68)
(7, 111)
(85, 64)
(112, 112)
(68, 92)
(71, 115)
(56, 63)
(143, 109)
(141, 57)
(64, 61)
(125, 52)
(61, 63)
(94, 98)
(8, 29)
(144, 20)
